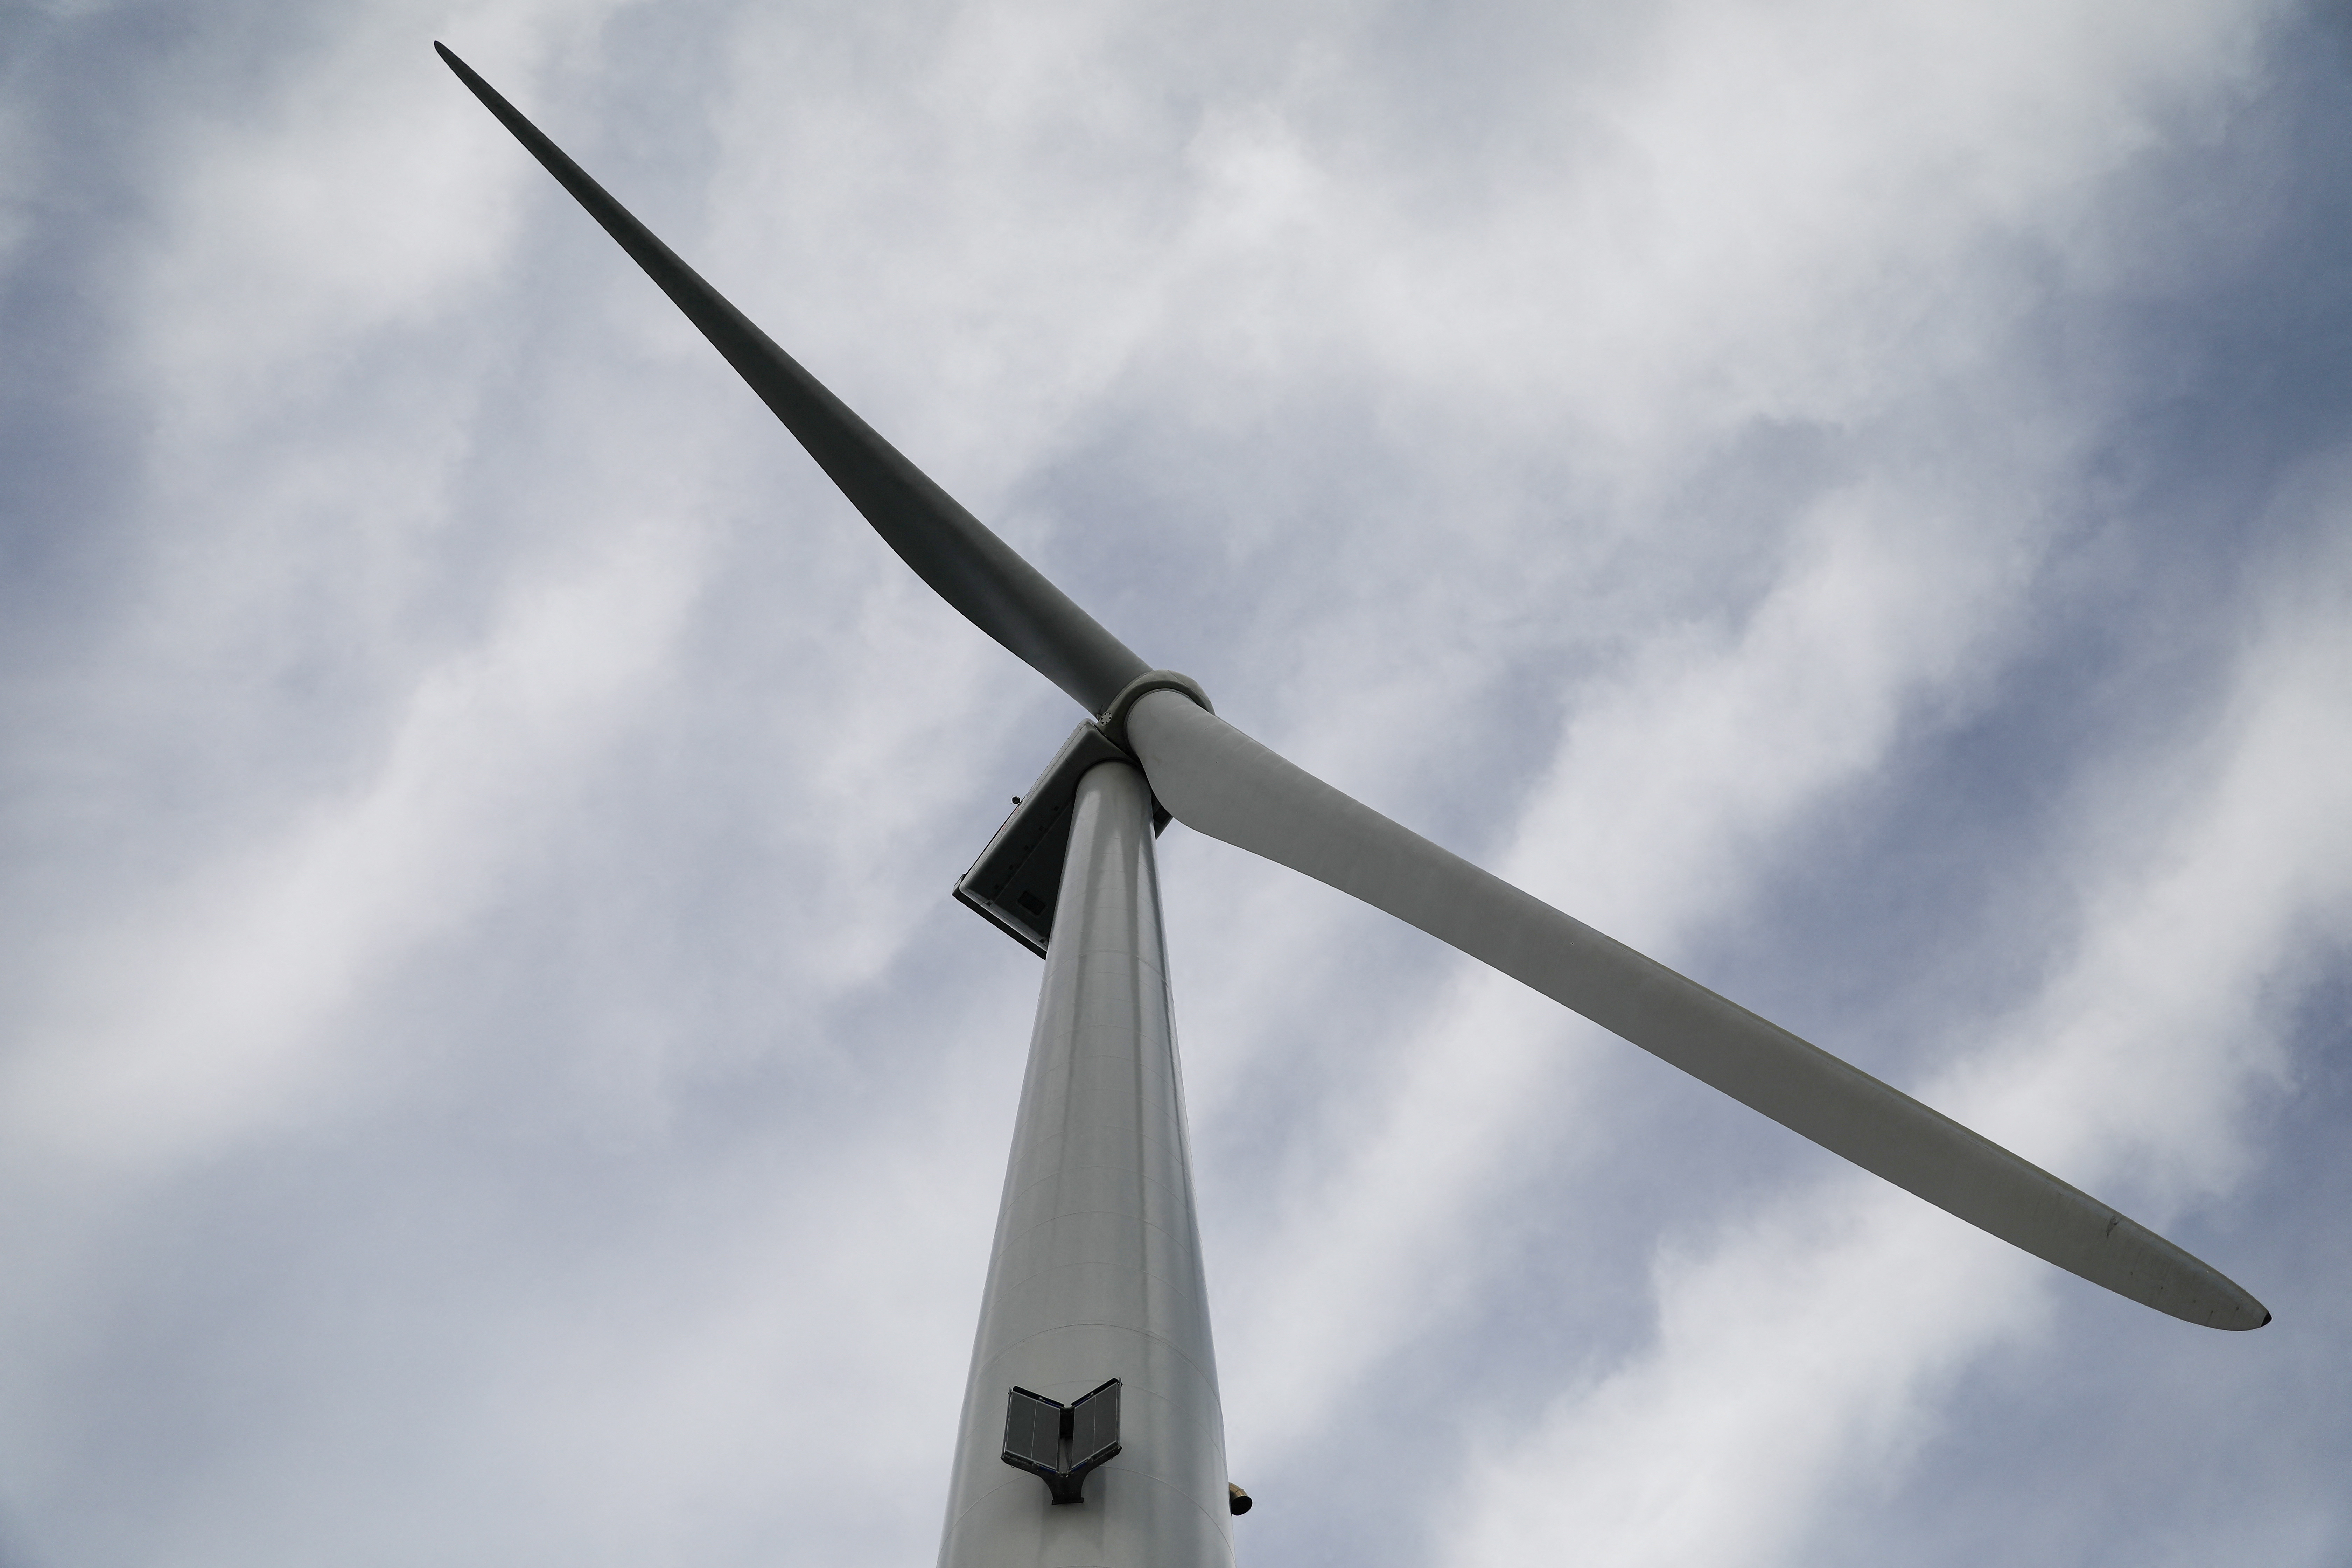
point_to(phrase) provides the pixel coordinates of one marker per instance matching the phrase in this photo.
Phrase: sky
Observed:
(1852, 500)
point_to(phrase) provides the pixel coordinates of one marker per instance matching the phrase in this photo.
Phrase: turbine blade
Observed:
(1214, 778)
(949, 548)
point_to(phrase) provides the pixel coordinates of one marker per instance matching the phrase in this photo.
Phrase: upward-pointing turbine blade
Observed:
(1216, 780)
(949, 548)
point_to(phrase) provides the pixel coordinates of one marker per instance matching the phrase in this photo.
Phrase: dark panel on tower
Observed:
(1033, 1433)
(1094, 1428)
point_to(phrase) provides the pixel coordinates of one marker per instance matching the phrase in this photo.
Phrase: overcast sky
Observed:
(1856, 499)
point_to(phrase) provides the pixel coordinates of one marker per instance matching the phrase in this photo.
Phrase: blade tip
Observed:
(2241, 1315)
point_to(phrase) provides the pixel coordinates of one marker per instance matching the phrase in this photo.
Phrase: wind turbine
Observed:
(1093, 1369)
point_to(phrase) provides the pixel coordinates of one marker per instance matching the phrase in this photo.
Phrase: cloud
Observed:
(1847, 501)
(1810, 1349)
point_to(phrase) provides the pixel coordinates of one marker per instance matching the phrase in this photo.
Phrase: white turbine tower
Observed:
(1092, 1370)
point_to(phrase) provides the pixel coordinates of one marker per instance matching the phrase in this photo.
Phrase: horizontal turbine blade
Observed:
(1215, 779)
(949, 548)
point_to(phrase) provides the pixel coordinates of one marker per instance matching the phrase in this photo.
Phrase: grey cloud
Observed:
(492, 1072)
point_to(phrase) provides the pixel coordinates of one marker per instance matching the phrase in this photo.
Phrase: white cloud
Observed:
(1649, 451)
(192, 1018)
(1799, 1359)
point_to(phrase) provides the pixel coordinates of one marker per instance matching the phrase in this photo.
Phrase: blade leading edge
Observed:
(949, 548)
(1218, 780)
